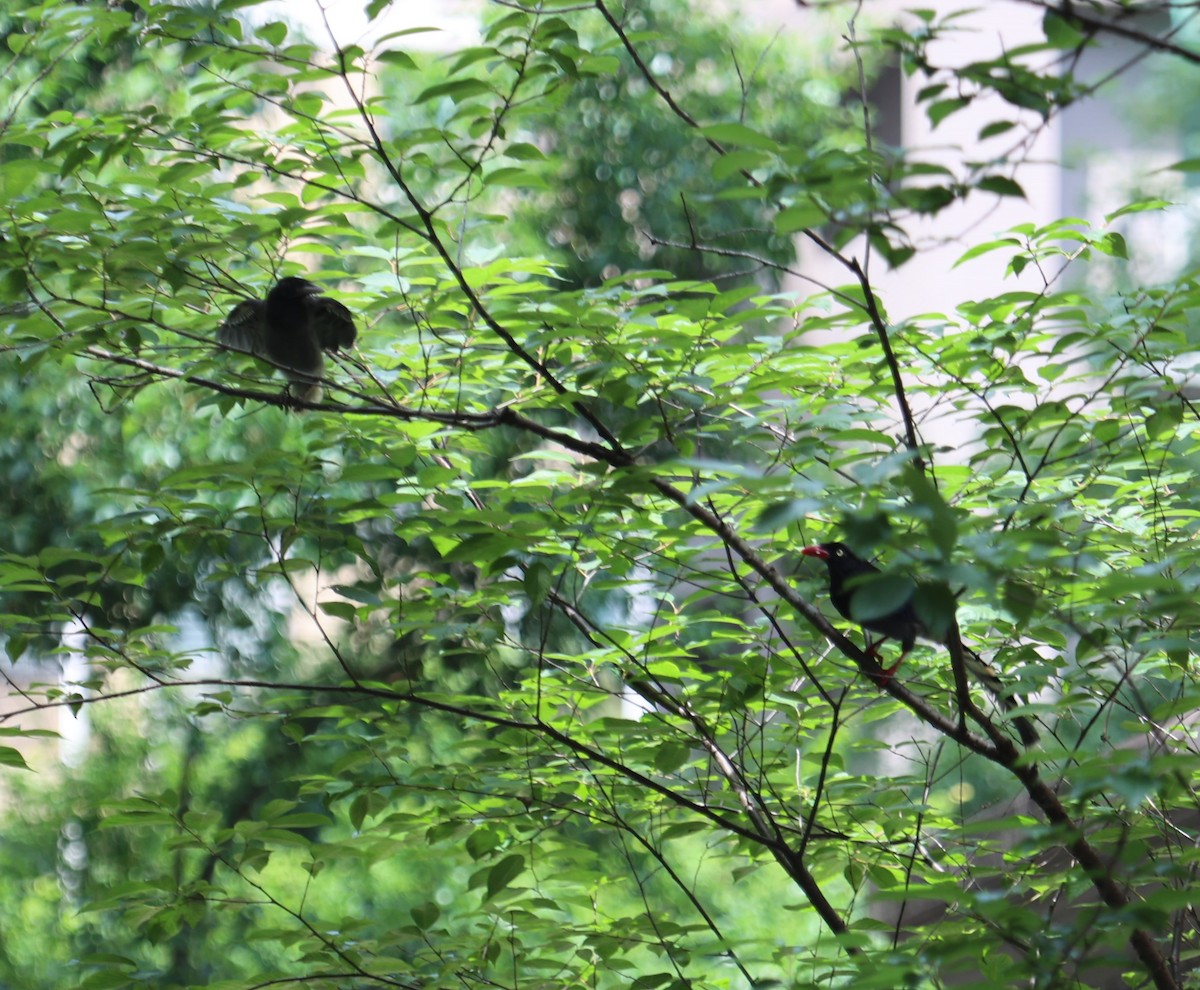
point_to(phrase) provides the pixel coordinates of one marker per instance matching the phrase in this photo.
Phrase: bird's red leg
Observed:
(888, 672)
(873, 651)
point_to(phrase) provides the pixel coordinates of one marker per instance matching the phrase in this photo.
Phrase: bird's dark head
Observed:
(839, 558)
(293, 288)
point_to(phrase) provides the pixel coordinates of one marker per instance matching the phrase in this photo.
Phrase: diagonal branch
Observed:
(1070, 12)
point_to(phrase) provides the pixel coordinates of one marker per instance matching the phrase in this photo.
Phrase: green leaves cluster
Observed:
(500, 665)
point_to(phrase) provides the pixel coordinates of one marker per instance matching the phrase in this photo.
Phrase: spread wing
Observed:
(332, 322)
(245, 326)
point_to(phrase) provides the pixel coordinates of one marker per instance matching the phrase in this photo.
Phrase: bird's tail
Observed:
(306, 388)
(989, 677)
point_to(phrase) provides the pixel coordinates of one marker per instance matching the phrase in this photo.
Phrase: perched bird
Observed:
(848, 573)
(291, 329)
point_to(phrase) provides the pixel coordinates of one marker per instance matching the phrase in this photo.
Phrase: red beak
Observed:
(815, 551)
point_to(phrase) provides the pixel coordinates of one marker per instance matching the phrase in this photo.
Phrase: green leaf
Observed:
(302, 819)
(400, 59)
(106, 979)
(457, 90)
(936, 605)
(1113, 244)
(669, 757)
(358, 810)
(538, 582)
(940, 520)
(525, 152)
(739, 134)
(780, 515)
(1164, 420)
(879, 595)
(1150, 203)
(339, 610)
(504, 873)
(739, 160)
(941, 109)
(1020, 599)
(1062, 32)
(1186, 165)
(273, 33)
(10, 757)
(425, 915)
(1001, 185)
(799, 216)
(895, 254)
(996, 128)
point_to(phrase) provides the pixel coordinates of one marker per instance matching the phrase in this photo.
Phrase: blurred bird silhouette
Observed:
(291, 329)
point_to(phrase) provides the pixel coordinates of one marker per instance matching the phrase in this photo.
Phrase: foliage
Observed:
(498, 665)
(626, 187)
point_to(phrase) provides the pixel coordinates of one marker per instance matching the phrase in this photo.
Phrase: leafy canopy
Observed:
(499, 665)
